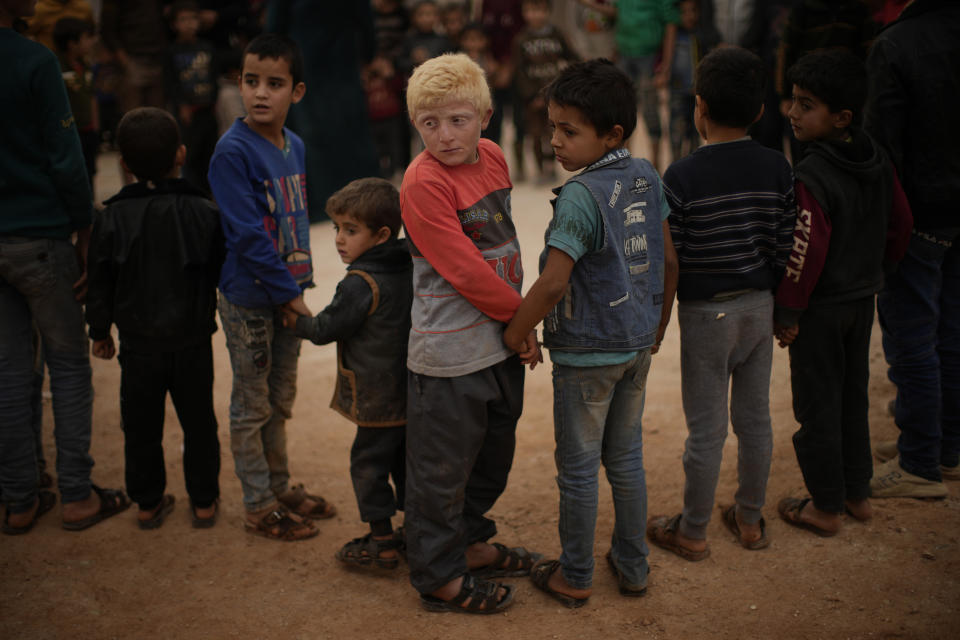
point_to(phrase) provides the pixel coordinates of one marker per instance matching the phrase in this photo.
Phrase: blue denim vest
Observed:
(615, 295)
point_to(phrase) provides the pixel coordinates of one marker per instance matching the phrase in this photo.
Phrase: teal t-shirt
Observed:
(577, 229)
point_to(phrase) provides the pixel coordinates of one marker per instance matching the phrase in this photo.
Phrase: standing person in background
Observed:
(337, 40)
(74, 40)
(191, 88)
(44, 200)
(763, 38)
(914, 89)
(502, 21)
(540, 52)
(135, 33)
(40, 27)
(684, 138)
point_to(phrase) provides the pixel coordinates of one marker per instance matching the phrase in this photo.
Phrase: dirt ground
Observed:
(895, 577)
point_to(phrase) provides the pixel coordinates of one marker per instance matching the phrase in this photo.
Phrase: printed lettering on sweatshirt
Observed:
(287, 199)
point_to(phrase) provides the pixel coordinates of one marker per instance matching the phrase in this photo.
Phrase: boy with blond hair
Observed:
(465, 388)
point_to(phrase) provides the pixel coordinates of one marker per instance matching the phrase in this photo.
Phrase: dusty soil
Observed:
(895, 577)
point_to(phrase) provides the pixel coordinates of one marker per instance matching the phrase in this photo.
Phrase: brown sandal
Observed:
(281, 525)
(294, 497)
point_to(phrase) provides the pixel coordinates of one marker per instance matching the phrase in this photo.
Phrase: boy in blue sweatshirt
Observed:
(257, 176)
(607, 267)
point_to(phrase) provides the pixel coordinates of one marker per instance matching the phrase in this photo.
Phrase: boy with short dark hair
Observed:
(161, 294)
(74, 40)
(732, 216)
(257, 175)
(369, 318)
(190, 80)
(853, 219)
(465, 388)
(609, 255)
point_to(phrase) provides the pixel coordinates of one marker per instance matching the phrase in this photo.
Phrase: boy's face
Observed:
(82, 46)
(454, 20)
(689, 15)
(575, 141)
(535, 14)
(473, 42)
(425, 17)
(451, 131)
(267, 89)
(186, 25)
(354, 238)
(811, 118)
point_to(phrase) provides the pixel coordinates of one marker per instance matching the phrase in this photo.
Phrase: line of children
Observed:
(369, 319)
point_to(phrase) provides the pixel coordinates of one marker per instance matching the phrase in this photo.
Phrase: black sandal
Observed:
(366, 551)
(480, 597)
(513, 562)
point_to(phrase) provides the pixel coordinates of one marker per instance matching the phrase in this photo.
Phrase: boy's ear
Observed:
(486, 119)
(181, 158)
(699, 105)
(760, 114)
(298, 92)
(613, 139)
(382, 235)
(842, 119)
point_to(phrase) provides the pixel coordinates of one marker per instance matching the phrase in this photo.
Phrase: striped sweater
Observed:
(732, 213)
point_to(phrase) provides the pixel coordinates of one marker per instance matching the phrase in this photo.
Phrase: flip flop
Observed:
(204, 523)
(518, 561)
(540, 576)
(112, 502)
(662, 531)
(163, 510)
(626, 588)
(730, 519)
(789, 510)
(45, 502)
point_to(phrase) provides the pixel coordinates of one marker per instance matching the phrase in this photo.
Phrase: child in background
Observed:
(258, 178)
(74, 40)
(424, 40)
(475, 43)
(686, 54)
(369, 318)
(732, 217)
(609, 254)
(454, 19)
(465, 388)
(540, 52)
(384, 91)
(853, 219)
(191, 90)
(165, 333)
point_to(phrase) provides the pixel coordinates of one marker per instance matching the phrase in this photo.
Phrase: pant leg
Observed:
(855, 425)
(909, 309)
(447, 424)
(649, 98)
(249, 334)
(488, 477)
(373, 459)
(282, 382)
(948, 350)
(817, 359)
(750, 406)
(36, 402)
(623, 460)
(706, 339)
(143, 394)
(191, 389)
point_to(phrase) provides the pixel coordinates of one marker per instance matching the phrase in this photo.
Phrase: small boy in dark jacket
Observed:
(154, 262)
(369, 318)
(852, 218)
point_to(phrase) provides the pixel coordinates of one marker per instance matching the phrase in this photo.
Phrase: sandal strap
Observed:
(477, 593)
(516, 558)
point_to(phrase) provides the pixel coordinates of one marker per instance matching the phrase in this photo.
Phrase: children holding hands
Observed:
(606, 272)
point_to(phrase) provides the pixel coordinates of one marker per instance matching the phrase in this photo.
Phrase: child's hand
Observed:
(288, 317)
(298, 306)
(785, 335)
(661, 330)
(104, 349)
(530, 352)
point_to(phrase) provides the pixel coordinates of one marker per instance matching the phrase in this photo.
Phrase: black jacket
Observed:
(154, 262)
(369, 318)
(914, 68)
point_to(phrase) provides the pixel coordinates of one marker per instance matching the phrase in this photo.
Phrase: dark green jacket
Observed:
(43, 180)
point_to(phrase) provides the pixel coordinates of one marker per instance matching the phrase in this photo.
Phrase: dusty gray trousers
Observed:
(725, 345)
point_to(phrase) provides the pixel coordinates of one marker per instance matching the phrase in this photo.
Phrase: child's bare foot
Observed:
(803, 514)
(98, 506)
(153, 518)
(860, 510)
(664, 532)
(548, 577)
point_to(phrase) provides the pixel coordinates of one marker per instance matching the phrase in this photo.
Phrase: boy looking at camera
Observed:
(465, 389)
(608, 256)
(257, 175)
(369, 319)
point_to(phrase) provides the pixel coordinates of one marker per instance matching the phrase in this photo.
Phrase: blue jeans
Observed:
(36, 287)
(263, 356)
(596, 413)
(919, 313)
(640, 70)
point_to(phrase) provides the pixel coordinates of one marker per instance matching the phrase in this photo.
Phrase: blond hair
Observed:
(448, 78)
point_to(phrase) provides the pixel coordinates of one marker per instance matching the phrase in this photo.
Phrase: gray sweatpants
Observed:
(720, 342)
